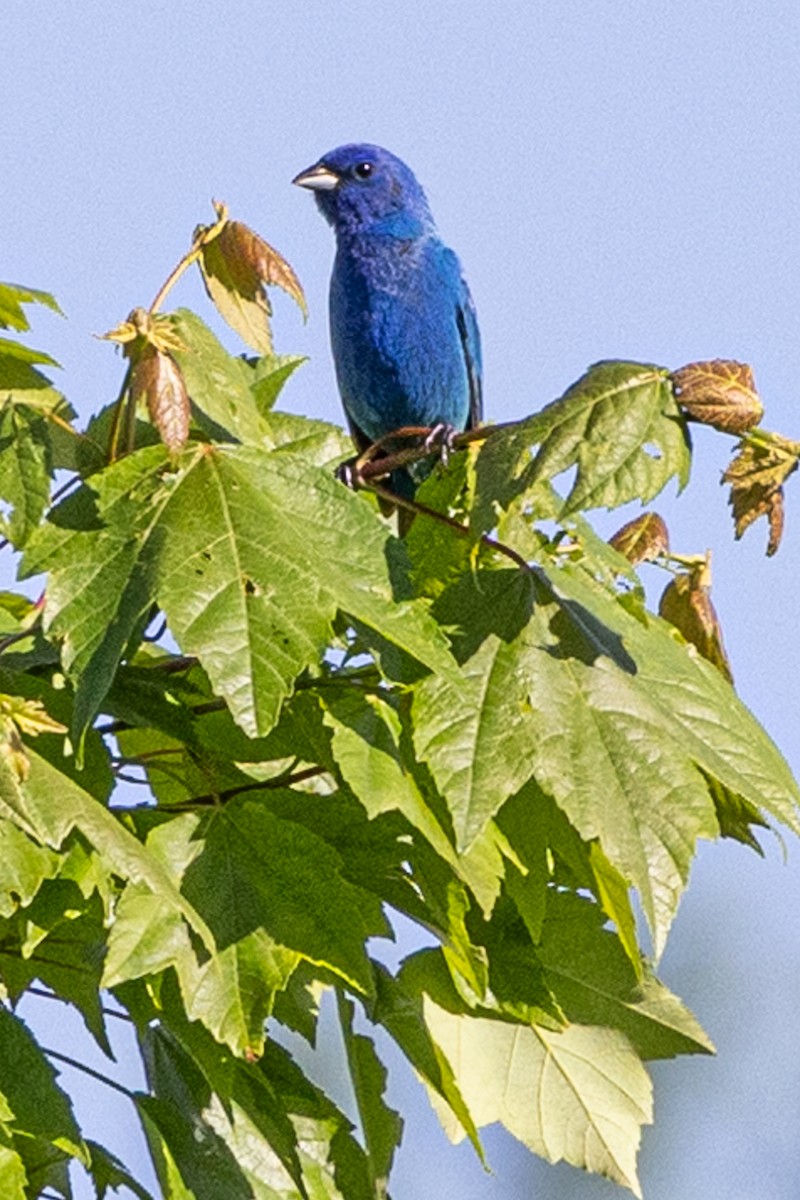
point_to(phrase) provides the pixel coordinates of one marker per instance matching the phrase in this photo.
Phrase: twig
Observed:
(416, 506)
(98, 1075)
(371, 466)
(107, 1012)
(280, 781)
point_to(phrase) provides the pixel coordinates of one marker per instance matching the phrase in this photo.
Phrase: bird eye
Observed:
(363, 170)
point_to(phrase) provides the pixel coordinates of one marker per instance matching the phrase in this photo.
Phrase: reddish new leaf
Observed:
(721, 393)
(156, 378)
(642, 539)
(756, 475)
(686, 604)
(237, 267)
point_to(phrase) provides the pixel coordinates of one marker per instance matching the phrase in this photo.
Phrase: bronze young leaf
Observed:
(686, 604)
(721, 393)
(756, 475)
(156, 378)
(237, 267)
(642, 539)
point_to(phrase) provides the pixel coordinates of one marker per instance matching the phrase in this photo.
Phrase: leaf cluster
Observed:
(248, 730)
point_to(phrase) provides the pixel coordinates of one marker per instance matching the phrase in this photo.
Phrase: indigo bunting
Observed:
(403, 327)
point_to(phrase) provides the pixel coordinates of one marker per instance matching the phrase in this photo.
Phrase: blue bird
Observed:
(403, 327)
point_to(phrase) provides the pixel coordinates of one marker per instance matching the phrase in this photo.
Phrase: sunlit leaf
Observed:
(619, 425)
(12, 298)
(580, 1095)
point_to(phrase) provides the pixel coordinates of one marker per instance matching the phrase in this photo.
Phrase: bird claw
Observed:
(349, 474)
(442, 438)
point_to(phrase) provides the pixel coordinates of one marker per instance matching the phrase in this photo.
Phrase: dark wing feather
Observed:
(467, 321)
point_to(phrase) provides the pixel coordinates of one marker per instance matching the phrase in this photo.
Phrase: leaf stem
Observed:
(204, 235)
(771, 441)
(113, 437)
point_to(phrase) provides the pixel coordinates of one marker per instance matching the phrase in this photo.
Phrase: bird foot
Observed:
(349, 474)
(442, 438)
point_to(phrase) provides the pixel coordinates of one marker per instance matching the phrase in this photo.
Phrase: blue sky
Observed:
(620, 179)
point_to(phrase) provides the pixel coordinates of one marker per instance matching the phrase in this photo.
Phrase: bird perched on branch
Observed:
(403, 327)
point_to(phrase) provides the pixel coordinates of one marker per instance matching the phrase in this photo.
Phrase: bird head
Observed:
(361, 189)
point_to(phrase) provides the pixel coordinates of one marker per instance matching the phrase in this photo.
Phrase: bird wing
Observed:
(467, 322)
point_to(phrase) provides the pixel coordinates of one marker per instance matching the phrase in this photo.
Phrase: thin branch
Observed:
(12, 638)
(123, 778)
(66, 486)
(133, 760)
(98, 1075)
(173, 665)
(370, 464)
(107, 1012)
(214, 798)
(416, 506)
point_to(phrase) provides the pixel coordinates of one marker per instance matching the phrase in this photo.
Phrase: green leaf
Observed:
(526, 821)
(269, 374)
(580, 1094)
(317, 442)
(595, 983)
(192, 1161)
(366, 745)
(101, 578)
(697, 707)
(237, 266)
(12, 298)
(246, 309)
(254, 594)
(51, 805)
(22, 383)
(398, 1008)
(218, 384)
(176, 1113)
(24, 866)
(108, 1172)
(13, 1176)
(232, 990)
(620, 425)
(615, 900)
(27, 404)
(258, 871)
(552, 692)
(26, 354)
(465, 730)
(275, 1134)
(437, 556)
(35, 1104)
(334, 1166)
(63, 948)
(382, 1126)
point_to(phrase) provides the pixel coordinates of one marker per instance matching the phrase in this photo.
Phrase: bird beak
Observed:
(318, 179)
